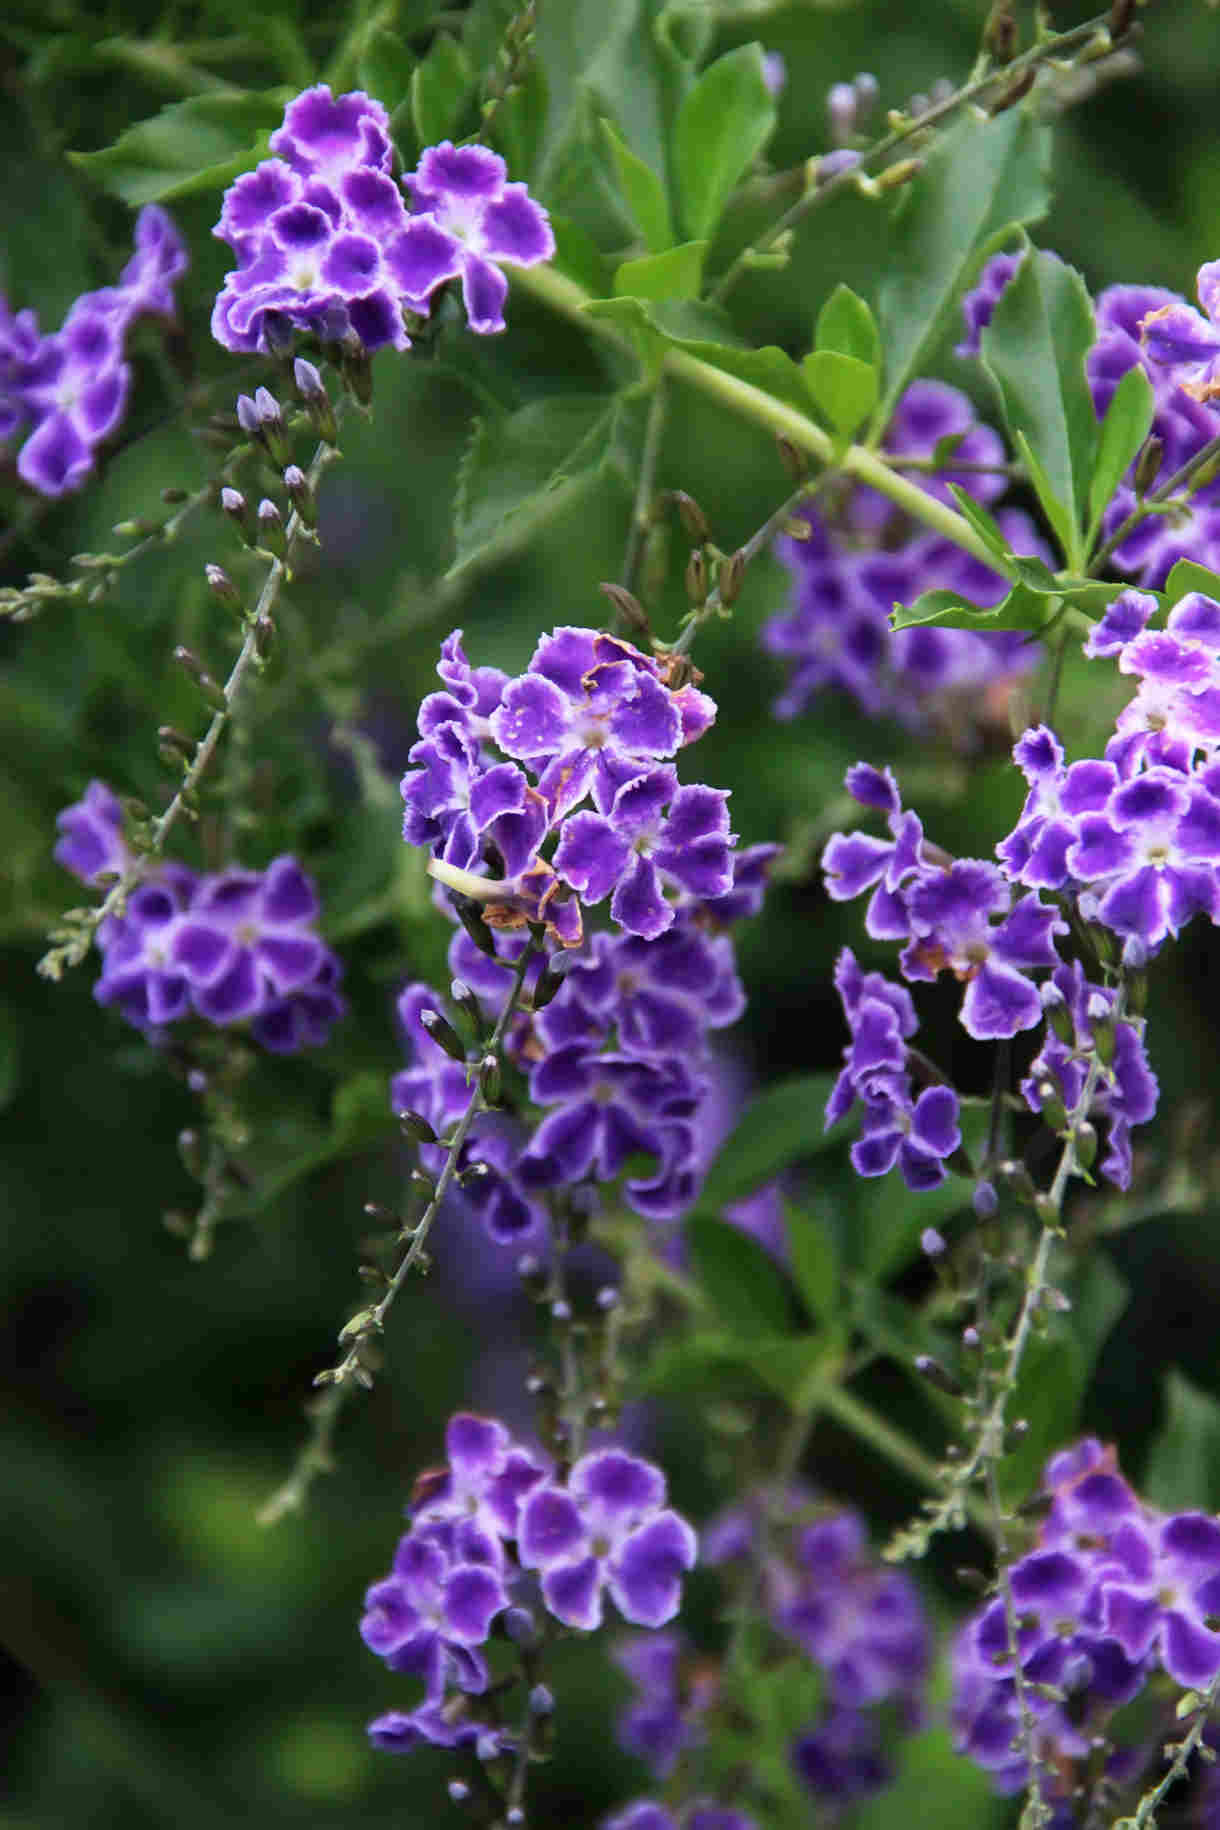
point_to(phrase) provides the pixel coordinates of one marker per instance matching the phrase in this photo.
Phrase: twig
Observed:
(641, 512)
(1150, 502)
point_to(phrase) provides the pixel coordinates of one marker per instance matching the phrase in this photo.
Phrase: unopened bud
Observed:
(489, 1079)
(1014, 93)
(443, 1034)
(550, 982)
(176, 748)
(695, 578)
(271, 528)
(222, 586)
(234, 505)
(191, 1151)
(691, 516)
(301, 495)
(520, 1626)
(1057, 1013)
(1084, 1144)
(470, 914)
(173, 496)
(1000, 32)
(542, 1701)
(729, 577)
(971, 1337)
(841, 102)
(931, 1242)
(211, 690)
(458, 1791)
(247, 416)
(532, 1273)
(264, 636)
(607, 1298)
(629, 608)
(937, 1375)
(415, 1127)
(1050, 1105)
(867, 89)
(308, 381)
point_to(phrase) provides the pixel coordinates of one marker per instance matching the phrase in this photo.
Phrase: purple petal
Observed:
(645, 1574)
(621, 1487)
(573, 1593)
(591, 856)
(934, 1123)
(422, 258)
(639, 906)
(473, 1596)
(515, 228)
(484, 290)
(999, 1001)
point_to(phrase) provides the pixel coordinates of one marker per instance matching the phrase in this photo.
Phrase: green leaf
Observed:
(982, 521)
(741, 1281)
(1186, 577)
(846, 325)
(1021, 609)
(844, 388)
(786, 1364)
(1126, 425)
(385, 67)
(643, 192)
(979, 180)
(197, 145)
(654, 328)
(779, 1126)
(1183, 1468)
(516, 466)
(1034, 350)
(578, 256)
(440, 87)
(722, 126)
(814, 1258)
(676, 274)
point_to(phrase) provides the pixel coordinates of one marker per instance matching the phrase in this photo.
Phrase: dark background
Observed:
(170, 1661)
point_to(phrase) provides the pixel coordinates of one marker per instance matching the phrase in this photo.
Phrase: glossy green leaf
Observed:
(676, 274)
(440, 87)
(1034, 349)
(722, 126)
(1183, 1468)
(846, 325)
(643, 193)
(1126, 425)
(843, 388)
(982, 521)
(197, 145)
(980, 178)
(517, 465)
(1185, 577)
(740, 1279)
(779, 1126)
(655, 327)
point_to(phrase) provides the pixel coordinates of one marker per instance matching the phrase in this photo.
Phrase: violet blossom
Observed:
(433, 1612)
(608, 1528)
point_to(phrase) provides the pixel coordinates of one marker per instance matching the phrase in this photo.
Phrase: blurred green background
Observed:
(170, 1661)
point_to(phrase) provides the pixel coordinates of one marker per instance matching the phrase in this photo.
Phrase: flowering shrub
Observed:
(627, 1065)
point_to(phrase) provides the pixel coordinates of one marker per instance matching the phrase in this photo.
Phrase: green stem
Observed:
(1145, 507)
(890, 1443)
(1005, 76)
(641, 513)
(571, 300)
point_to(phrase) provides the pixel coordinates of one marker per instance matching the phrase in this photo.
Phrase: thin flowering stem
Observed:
(373, 1322)
(72, 951)
(1037, 1812)
(1006, 75)
(761, 538)
(1145, 1812)
(316, 1456)
(1207, 454)
(642, 507)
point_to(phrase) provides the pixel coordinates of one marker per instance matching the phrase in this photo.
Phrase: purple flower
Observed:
(664, 1718)
(609, 1108)
(847, 580)
(466, 219)
(139, 972)
(1035, 852)
(862, 1622)
(855, 862)
(436, 1724)
(842, 1758)
(655, 834)
(1151, 858)
(1175, 714)
(645, 1815)
(592, 713)
(248, 941)
(980, 302)
(661, 996)
(608, 1528)
(326, 136)
(92, 844)
(71, 386)
(485, 1481)
(1164, 1591)
(917, 1134)
(954, 926)
(432, 1612)
(1183, 340)
(1127, 1092)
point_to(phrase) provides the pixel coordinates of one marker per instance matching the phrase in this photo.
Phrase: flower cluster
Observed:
(67, 390)
(494, 1512)
(326, 246)
(859, 1622)
(672, 1695)
(1112, 1591)
(502, 777)
(854, 566)
(232, 947)
(1149, 328)
(645, 1814)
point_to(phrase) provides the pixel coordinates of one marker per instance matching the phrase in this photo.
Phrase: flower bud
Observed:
(212, 692)
(931, 1242)
(489, 1079)
(1148, 464)
(1050, 1105)
(691, 516)
(729, 577)
(176, 749)
(443, 1034)
(629, 608)
(271, 528)
(264, 636)
(415, 1127)
(470, 914)
(695, 578)
(520, 1626)
(984, 1200)
(792, 458)
(247, 416)
(937, 1375)
(301, 495)
(1084, 1144)
(234, 505)
(841, 101)
(222, 586)
(190, 1150)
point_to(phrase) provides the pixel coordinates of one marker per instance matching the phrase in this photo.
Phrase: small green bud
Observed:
(792, 458)
(729, 577)
(691, 515)
(1148, 464)
(489, 1079)
(1084, 1144)
(443, 1034)
(695, 578)
(629, 607)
